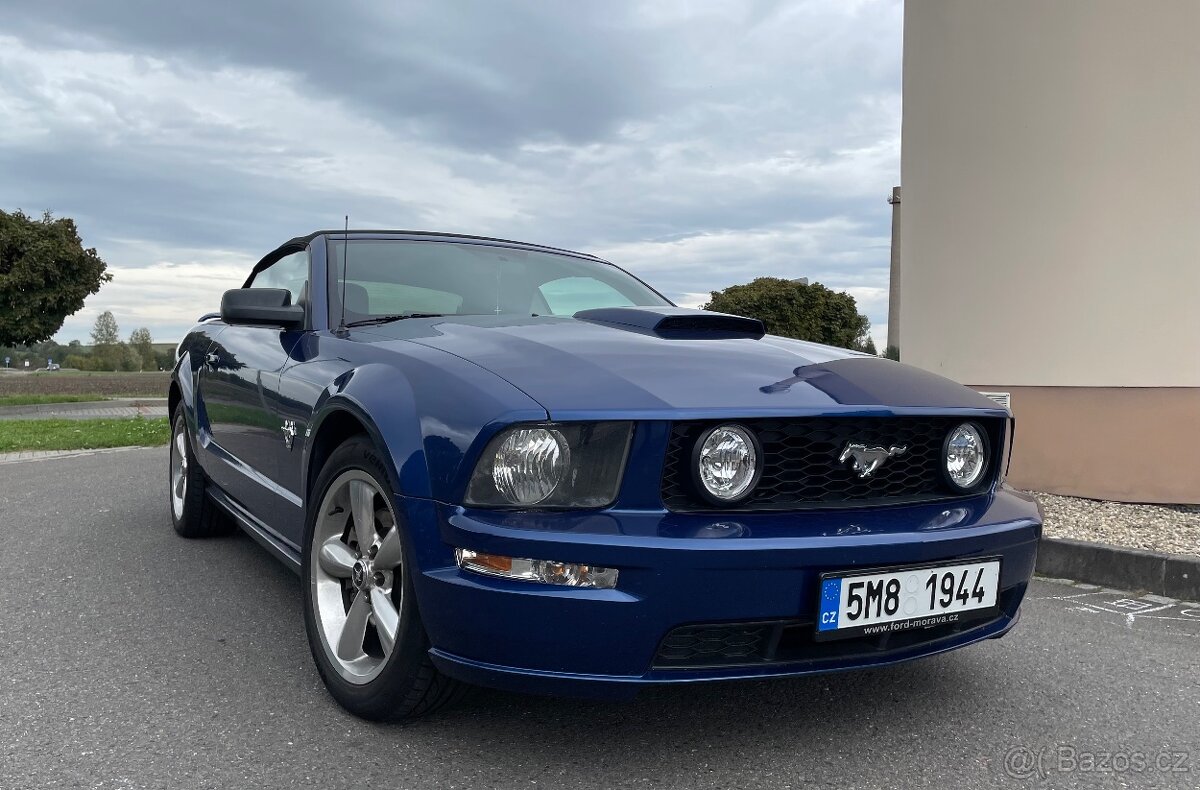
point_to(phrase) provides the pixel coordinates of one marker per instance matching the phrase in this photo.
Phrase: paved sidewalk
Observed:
(118, 407)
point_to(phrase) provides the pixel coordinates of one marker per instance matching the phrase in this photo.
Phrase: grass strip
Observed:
(39, 400)
(18, 435)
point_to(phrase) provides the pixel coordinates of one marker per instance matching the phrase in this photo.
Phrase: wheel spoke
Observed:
(336, 558)
(387, 619)
(350, 642)
(178, 477)
(362, 506)
(390, 552)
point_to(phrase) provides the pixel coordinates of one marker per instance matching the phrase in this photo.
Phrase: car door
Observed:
(238, 385)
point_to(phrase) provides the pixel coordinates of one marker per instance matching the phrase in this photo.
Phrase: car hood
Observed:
(578, 369)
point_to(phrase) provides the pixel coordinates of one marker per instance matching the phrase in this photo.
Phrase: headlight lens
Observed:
(556, 465)
(966, 456)
(529, 465)
(727, 463)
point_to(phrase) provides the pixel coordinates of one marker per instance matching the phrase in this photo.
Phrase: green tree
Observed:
(139, 341)
(869, 347)
(130, 359)
(106, 342)
(45, 274)
(795, 309)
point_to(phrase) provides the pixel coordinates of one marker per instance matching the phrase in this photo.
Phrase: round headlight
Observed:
(965, 452)
(530, 464)
(727, 463)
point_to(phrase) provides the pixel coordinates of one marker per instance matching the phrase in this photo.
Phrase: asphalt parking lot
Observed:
(132, 658)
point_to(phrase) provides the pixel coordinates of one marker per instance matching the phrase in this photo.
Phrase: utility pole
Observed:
(893, 335)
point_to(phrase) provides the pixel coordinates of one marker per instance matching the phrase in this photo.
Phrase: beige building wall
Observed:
(1050, 235)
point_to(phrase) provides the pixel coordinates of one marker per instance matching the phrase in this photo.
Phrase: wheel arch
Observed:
(339, 420)
(181, 391)
(174, 395)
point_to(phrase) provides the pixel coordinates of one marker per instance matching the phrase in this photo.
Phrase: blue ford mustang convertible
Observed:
(509, 465)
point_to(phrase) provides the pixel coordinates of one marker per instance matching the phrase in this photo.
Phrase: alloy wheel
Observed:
(355, 576)
(179, 469)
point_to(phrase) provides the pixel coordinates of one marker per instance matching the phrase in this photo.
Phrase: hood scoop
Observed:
(676, 323)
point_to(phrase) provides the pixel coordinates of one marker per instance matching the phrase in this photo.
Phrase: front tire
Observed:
(193, 514)
(360, 611)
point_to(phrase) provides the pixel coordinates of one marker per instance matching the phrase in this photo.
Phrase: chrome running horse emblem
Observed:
(868, 458)
(289, 433)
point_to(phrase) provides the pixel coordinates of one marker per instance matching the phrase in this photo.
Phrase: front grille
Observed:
(716, 645)
(801, 468)
(704, 644)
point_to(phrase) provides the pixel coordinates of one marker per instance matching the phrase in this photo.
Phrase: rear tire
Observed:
(193, 514)
(360, 610)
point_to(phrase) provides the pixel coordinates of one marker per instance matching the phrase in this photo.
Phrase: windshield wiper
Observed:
(387, 319)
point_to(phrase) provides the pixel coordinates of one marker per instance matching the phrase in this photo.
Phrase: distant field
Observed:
(63, 382)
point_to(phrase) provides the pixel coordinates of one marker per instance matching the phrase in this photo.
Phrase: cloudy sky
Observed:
(697, 144)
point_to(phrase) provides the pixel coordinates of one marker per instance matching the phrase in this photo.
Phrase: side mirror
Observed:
(261, 307)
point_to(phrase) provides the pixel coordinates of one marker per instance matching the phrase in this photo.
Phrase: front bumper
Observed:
(679, 570)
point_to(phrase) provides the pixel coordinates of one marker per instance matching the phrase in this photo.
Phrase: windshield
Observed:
(393, 277)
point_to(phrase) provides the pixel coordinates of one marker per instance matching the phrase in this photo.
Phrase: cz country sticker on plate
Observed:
(891, 600)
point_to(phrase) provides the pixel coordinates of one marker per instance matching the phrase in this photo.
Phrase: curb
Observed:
(1171, 575)
(28, 456)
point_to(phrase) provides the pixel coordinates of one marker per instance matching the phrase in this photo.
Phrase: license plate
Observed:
(891, 600)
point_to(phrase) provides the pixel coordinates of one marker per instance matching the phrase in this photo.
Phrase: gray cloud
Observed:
(483, 73)
(698, 146)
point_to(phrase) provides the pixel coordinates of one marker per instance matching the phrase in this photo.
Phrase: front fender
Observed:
(427, 416)
(186, 380)
(396, 434)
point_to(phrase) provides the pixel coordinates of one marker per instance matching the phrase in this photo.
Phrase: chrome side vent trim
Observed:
(1001, 398)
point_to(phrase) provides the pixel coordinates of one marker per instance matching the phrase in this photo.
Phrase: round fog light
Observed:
(726, 460)
(965, 453)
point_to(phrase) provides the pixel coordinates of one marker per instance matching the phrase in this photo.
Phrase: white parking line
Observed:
(1126, 606)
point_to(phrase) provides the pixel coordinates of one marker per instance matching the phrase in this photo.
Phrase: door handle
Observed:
(212, 360)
